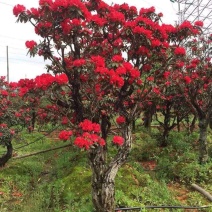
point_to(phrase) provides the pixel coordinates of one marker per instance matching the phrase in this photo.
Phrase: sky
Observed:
(13, 36)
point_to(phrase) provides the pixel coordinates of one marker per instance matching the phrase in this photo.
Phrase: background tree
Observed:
(8, 118)
(194, 81)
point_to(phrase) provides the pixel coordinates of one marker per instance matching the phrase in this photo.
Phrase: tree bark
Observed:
(103, 175)
(203, 146)
(192, 125)
(164, 142)
(8, 155)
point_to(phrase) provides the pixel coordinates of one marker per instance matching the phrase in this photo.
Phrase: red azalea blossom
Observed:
(150, 78)
(179, 51)
(187, 79)
(82, 143)
(120, 120)
(4, 93)
(198, 23)
(87, 125)
(18, 9)
(3, 125)
(45, 2)
(64, 120)
(118, 140)
(79, 62)
(34, 12)
(156, 90)
(117, 58)
(30, 44)
(65, 135)
(166, 74)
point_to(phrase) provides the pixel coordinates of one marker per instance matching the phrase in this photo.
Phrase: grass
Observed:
(59, 181)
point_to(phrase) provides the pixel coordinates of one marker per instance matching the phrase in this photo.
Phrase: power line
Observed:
(7, 4)
(21, 60)
(4, 36)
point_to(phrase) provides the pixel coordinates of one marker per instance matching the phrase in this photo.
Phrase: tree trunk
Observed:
(164, 142)
(178, 123)
(133, 126)
(103, 175)
(147, 120)
(192, 125)
(8, 155)
(203, 146)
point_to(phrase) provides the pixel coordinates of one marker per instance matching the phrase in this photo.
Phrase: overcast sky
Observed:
(13, 35)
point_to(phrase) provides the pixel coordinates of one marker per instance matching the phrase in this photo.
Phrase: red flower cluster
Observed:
(89, 136)
(166, 74)
(64, 120)
(18, 9)
(180, 51)
(88, 139)
(118, 140)
(30, 44)
(65, 135)
(4, 93)
(198, 23)
(89, 126)
(120, 120)
(187, 79)
(45, 80)
(78, 62)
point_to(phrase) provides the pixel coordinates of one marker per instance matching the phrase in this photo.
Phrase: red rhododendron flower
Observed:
(179, 51)
(151, 78)
(65, 135)
(166, 74)
(45, 2)
(156, 90)
(81, 142)
(118, 140)
(121, 70)
(97, 20)
(4, 93)
(18, 9)
(79, 62)
(3, 125)
(64, 120)
(30, 44)
(96, 127)
(120, 120)
(116, 80)
(198, 23)
(155, 43)
(87, 125)
(134, 73)
(34, 12)
(187, 79)
(18, 114)
(117, 58)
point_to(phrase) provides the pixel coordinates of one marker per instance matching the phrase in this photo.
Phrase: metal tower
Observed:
(195, 10)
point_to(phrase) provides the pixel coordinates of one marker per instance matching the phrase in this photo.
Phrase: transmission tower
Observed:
(195, 10)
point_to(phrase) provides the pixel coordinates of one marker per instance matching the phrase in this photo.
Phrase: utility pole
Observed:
(7, 65)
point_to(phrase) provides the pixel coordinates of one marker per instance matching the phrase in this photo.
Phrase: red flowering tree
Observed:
(171, 109)
(8, 118)
(193, 75)
(110, 55)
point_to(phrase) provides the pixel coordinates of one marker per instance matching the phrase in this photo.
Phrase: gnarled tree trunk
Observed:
(8, 155)
(103, 175)
(203, 146)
